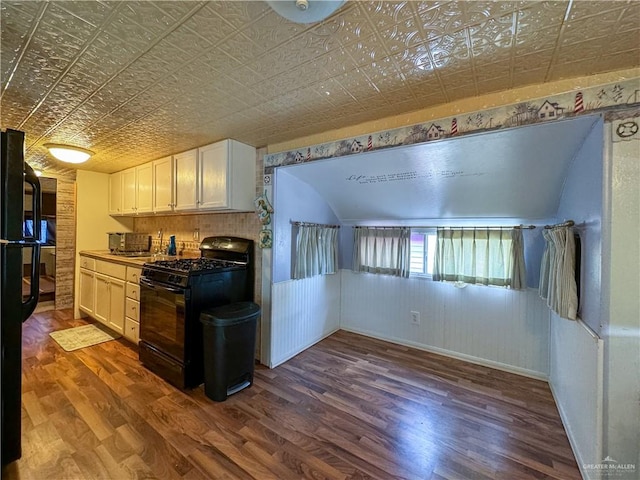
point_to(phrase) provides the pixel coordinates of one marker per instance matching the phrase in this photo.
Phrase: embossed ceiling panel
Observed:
(139, 80)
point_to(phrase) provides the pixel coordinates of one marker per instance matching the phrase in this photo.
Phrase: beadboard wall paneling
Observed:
(303, 312)
(500, 328)
(576, 380)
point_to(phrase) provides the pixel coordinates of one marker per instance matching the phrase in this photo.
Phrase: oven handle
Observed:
(156, 286)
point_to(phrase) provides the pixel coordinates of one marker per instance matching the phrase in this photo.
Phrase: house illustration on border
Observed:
(356, 147)
(434, 132)
(550, 110)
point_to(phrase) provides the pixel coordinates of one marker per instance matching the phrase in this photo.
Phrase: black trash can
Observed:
(229, 340)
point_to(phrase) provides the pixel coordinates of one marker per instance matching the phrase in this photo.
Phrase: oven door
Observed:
(163, 314)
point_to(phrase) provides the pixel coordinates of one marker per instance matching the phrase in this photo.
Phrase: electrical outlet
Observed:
(415, 317)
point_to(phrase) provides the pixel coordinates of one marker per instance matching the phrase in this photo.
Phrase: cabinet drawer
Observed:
(133, 274)
(131, 330)
(132, 309)
(112, 269)
(88, 263)
(133, 291)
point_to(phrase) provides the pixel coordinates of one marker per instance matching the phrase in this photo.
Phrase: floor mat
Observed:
(85, 336)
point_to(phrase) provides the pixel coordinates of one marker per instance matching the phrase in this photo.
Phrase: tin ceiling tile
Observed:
(99, 72)
(243, 14)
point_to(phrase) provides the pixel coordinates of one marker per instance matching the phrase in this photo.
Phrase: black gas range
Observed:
(173, 293)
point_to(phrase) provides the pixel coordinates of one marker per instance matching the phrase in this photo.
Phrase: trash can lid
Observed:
(229, 314)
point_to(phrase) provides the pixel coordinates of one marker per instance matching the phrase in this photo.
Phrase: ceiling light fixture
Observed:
(305, 11)
(68, 153)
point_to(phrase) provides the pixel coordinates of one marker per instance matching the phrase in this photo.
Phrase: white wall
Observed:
(621, 275)
(92, 218)
(581, 201)
(303, 312)
(576, 379)
(293, 200)
(501, 328)
(576, 360)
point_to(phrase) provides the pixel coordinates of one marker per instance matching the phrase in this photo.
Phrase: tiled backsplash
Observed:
(245, 225)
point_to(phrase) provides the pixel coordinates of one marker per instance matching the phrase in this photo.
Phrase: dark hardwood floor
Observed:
(349, 407)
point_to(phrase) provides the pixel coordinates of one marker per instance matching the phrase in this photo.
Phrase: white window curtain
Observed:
(316, 251)
(480, 256)
(557, 272)
(385, 251)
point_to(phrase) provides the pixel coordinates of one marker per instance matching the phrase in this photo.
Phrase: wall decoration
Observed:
(564, 105)
(263, 208)
(265, 239)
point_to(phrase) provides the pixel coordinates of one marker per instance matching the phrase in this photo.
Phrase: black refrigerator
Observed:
(16, 307)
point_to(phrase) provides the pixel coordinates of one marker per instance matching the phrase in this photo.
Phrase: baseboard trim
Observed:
(448, 353)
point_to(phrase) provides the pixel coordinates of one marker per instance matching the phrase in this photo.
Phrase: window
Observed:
(481, 256)
(316, 251)
(382, 250)
(423, 247)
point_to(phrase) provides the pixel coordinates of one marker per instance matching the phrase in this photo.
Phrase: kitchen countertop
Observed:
(125, 260)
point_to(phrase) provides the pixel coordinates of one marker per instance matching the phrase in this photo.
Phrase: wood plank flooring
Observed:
(348, 408)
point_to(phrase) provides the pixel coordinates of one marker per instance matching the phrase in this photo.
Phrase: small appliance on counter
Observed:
(128, 242)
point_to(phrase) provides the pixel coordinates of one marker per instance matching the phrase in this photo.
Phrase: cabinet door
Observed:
(163, 182)
(116, 305)
(144, 188)
(186, 180)
(129, 191)
(87, 290)
(115, 193)
(102, 301)
(213, 170)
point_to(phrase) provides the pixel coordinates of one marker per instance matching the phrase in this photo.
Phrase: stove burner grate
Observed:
(195, 264)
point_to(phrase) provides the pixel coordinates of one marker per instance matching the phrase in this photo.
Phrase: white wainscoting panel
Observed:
(576, 380)
(303, 312)
(501, 328)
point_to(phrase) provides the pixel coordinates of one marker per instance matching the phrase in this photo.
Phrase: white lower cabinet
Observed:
(87, 290)
(106, 290)
(132, 305)
(109, 305)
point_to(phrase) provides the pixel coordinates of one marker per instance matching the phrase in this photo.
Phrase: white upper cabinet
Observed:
(144, 188)
(137, 189)
(220, 176)
(186, 180)
(115, 193)
(213, 175)
(129, 202)
(227, 178)
(163, 183)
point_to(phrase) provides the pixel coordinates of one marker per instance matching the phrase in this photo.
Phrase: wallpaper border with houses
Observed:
(604, 98)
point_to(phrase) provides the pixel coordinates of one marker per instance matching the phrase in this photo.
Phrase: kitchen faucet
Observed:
(159, 247)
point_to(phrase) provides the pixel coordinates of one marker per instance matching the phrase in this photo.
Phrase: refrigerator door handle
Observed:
(36, 201)
(29, 305)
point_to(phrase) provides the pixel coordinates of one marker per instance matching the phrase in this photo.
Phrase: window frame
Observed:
(425, 232)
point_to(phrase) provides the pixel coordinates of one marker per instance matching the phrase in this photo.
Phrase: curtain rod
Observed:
(311, 224)
(568, 223)
(496, 227)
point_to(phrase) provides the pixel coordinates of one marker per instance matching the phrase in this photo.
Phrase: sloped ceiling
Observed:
(139, 80)
(512, 173)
